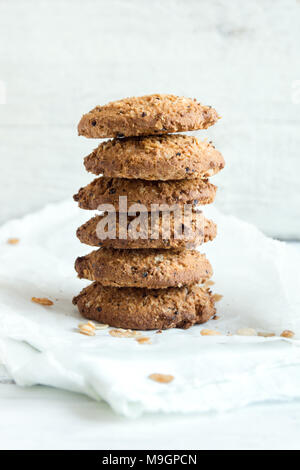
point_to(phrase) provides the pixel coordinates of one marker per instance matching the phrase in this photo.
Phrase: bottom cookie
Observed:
(143, 309)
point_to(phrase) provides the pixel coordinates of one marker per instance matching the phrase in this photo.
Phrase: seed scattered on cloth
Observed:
(42, 301)
(87, 329)
(161, 378)
(287, 334)
(120, 333)
(101, 326)
(144, 340)
(13, 241)
(217, 297)
(246, 332)
(87, 325)
(265, 335)
(207, 332)
(90, 328)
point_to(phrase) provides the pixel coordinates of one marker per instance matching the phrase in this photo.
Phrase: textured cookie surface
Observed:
(150, 268)
(108, 190)
(146, 115)
(144, 309)
(155, 235)
(164, 157)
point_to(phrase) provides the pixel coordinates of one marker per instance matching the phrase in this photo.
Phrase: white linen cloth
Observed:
(258, 277)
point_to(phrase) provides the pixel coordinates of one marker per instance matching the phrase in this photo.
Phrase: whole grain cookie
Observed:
(152, 234)
(143, 309)
(108, 190)
(150, 268)
(165, 157)
(146, 115)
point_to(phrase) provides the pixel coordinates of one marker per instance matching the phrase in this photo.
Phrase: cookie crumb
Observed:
(287, 334)
(41, 301)
(161, 378)
(216, 317)
(207, 332)
(246, 332)
(158, 332)
(144, 340)
(13, 241)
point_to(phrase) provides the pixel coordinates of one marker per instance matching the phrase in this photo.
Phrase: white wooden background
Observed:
(59, 58)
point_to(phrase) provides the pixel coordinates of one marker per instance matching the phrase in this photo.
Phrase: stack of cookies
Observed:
(156, 279)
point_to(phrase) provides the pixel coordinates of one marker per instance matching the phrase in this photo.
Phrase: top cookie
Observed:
(146, 115)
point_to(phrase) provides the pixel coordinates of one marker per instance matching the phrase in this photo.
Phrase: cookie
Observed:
(107, 191)
(151, 236)
(165, 157)
(146, 115)
(143, 309)
(150, 268)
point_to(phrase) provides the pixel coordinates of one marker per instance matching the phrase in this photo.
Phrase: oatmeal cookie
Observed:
(143, 309)
(150, 268)
(146, 115)
(107, 191)
(190, 236)
(164, 157)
